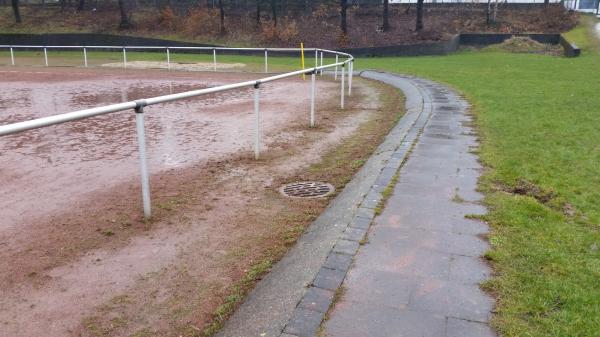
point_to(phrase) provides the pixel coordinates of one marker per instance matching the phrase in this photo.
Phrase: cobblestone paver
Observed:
(413, 269)
(419, 274)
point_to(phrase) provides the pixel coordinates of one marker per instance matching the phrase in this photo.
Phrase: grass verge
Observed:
(538, 120)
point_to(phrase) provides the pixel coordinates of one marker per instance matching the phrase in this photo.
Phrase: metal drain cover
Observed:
(307, 189)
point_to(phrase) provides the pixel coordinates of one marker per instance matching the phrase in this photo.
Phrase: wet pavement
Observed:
(412, 270)
(418, 270)
(419, 273)
(285, 293)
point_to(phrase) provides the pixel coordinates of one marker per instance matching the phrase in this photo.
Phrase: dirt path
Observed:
(80, 261)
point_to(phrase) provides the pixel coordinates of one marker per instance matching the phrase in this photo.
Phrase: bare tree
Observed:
(386, 19)
(343, 8)
(274, 11)
(125, 21)
(81, 5)
(257, 13)
(419, 24)
(491, 13)
(15, 7)
(222, 14)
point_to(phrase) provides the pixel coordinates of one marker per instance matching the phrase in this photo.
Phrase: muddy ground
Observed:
(78, 259)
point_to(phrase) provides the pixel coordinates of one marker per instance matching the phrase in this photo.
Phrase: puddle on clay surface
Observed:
(173, 129)
(46, 170)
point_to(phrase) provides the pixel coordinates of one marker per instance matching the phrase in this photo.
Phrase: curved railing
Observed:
(138, 105)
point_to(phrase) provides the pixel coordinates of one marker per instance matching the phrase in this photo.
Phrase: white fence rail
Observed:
(138, 105)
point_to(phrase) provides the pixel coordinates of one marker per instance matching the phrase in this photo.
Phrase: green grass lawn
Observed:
(539, 122)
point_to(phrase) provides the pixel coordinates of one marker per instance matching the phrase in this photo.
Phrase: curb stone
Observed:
(270, 306)
(335, 267)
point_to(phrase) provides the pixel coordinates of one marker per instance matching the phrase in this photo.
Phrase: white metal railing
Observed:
(138, 105)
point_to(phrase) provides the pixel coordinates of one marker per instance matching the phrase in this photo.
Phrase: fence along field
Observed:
(139, 105)
(297, 102)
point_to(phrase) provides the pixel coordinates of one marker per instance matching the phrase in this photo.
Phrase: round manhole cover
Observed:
(307, 189)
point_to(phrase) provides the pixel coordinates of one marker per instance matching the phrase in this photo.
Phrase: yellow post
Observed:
(302, 58)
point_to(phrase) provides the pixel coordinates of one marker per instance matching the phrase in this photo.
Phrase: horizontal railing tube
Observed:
(81, 114)
(139, 105)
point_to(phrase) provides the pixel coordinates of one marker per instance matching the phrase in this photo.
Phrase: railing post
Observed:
(321, 72)
(168, 59)
(215, 58)
(12, 56)
(124, 58)
(350, 74)
(343, 90)
(85, 63)
(256, 121)
(141, 135)
(312, 98)
(46, 56)
(316, 58)
(266, 61)
(336, 67)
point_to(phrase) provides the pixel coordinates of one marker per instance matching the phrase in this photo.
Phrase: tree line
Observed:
(273, 7)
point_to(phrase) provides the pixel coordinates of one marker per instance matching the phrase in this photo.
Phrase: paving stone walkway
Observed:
(418, 274)
(414, 269)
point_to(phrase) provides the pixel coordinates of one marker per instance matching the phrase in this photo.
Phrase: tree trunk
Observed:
(274, 11)
(343, 24)
(419, 24)
(495, 13)
(222, 13)
(125, 23)
(257, 13)
(386, 19)
(15, 6)
(81, 5)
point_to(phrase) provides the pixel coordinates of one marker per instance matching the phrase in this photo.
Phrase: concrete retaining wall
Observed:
(417, 49)
(484, 39)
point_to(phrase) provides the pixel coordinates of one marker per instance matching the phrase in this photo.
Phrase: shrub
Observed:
(167, 19)
(289, 30)
(286, 31)
(202, 21)
(268, 32)
(321, 12)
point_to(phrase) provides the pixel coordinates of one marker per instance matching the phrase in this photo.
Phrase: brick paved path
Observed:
(419, 273)
(419, 270)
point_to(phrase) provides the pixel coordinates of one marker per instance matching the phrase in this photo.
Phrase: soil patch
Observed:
(525, 45)
(98, 269)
